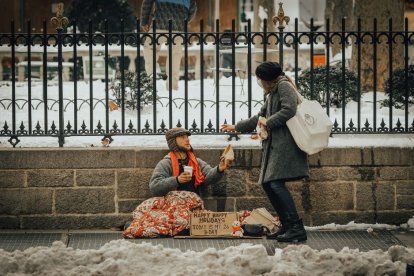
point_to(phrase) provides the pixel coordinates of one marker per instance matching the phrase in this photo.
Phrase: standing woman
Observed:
(282, 160)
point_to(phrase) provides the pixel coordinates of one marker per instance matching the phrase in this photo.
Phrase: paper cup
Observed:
(188, 169)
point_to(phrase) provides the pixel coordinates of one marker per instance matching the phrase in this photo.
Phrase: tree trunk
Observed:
(260, 8)
(367, 10)
(382, 10)
(336, 10)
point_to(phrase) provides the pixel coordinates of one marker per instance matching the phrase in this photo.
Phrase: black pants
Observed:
(281, 200)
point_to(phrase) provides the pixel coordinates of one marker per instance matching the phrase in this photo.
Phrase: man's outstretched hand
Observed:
(223, 165)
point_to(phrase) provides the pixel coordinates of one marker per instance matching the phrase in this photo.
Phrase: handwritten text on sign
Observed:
(212, 223)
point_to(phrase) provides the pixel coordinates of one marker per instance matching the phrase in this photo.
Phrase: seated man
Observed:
(175, 191)
(169, 174)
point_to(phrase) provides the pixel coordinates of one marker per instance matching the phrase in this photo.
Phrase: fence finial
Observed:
(59, 20)
(280, 17)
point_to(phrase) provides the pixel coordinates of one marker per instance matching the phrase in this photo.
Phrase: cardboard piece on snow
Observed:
(262, 216)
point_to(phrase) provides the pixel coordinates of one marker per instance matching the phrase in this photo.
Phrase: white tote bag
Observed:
(310, 127)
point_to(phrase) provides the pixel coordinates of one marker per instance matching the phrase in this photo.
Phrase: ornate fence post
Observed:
(280, 18)
(60, 22)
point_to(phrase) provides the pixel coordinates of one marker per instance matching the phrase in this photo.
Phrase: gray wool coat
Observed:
(163, 181)
(281, 157)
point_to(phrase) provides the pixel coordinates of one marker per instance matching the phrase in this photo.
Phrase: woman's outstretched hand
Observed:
(228, 127)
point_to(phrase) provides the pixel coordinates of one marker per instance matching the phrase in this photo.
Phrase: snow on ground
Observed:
(121, 257)
(178, 106)
(355, 226)
(211, 141)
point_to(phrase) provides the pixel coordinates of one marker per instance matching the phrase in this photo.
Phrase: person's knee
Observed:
(277, 186)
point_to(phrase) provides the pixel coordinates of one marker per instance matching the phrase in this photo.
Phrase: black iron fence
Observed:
(56, 87)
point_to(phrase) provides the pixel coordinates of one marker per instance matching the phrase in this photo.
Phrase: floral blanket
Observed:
(167, 215)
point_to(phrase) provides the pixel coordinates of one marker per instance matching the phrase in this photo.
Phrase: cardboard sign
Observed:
(212, 223)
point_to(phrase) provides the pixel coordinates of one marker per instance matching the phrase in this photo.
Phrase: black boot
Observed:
(295, 233)
(285, 226)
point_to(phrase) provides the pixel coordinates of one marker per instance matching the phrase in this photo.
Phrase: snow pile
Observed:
(409, 224)
(121, 257)
(354, 226)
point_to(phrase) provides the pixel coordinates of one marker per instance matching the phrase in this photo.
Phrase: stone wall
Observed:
(99, 188)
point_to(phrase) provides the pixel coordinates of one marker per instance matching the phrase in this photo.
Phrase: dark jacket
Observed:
(281, 157)
(163, 181)
(163, 10)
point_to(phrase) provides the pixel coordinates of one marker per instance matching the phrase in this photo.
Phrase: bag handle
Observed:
(300, 97)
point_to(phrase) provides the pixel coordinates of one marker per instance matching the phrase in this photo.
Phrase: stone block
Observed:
(340, 157)
(75, 221)
(206, 190)
(219, 204)
(393, 156)
(250, 203)
(394, 217)
(375, 196)
(211, 156)
(393, 173)
(85, 200)
(328, 196)
(134, 183)
(253, 175)
(129, 205)
(9, 222)
(405, 202)
(67, 158)
(95, 177)
(26, 201)
(50, 178)
(12, 178)
(405, 187)
(298, 192)
(243, 157)
(367, 156)
(410, 172)
(255, 189)
(306, 218)
(323, 174)
(313, 160)
(323, 218)
(233, 183)
(357, 173)
(256, 157)
(149, 158)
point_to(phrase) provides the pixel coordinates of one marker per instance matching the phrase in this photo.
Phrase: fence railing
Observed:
(101, 89)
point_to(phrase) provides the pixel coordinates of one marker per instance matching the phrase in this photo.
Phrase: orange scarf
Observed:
(192, 161)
